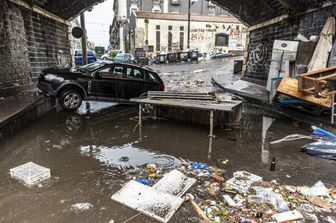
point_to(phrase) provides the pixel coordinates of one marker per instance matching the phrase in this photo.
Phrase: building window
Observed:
(222, 39)
(212, 11)
(170, 40)
(181, 39)
(157, 27)
(158, 43)
(181, 28)
(176, 2)
(170, 28)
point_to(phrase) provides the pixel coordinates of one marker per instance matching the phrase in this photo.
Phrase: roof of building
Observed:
(184, 17)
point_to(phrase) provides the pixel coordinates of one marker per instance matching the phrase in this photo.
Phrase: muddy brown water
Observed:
(89, 154)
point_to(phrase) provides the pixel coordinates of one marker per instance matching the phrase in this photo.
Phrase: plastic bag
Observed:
(81, 207)
(266, 195)
(322, 133)
(199, 166)
(323, 148)
(317, 190)
(291, 138)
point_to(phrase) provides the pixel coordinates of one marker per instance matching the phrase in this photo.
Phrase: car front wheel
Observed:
(70, 100)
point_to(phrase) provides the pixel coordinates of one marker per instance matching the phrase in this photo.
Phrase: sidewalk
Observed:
(18, 112)
(240, 87)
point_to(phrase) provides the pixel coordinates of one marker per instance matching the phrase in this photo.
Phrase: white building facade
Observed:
(120, 31)
(168, 32)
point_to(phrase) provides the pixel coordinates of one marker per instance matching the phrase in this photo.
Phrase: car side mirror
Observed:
(97, 74)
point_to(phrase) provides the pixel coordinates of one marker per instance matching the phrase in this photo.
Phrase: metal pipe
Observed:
(84, 38)
(211, 123)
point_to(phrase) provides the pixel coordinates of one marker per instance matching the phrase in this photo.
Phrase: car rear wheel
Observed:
(70, 100)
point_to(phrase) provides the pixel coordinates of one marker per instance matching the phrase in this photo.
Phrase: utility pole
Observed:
(188, 43)
(84, 38)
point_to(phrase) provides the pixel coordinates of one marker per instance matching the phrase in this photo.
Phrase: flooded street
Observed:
(196, 77)
(91, 156)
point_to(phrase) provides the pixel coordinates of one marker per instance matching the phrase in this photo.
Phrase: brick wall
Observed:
(261, 40)
(29, 43)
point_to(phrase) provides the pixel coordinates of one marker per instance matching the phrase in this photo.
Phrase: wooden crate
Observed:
(289, 86)
(316, 82)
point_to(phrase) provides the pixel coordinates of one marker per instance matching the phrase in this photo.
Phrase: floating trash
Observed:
(30, 173)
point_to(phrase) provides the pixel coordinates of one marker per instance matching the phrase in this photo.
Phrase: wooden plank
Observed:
(318, 71)
(289, 86)
(327, 77)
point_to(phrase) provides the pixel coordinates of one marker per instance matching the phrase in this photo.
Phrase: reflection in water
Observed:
(94, 107)
(128, 156)
(267, 122)
(210, 148)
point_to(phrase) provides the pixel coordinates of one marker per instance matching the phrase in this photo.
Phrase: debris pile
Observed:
(246, 197)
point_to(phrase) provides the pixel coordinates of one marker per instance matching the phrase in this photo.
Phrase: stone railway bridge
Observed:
(34, 34)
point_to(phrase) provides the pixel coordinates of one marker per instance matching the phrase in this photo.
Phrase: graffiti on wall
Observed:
(200, 36)
(258, 59)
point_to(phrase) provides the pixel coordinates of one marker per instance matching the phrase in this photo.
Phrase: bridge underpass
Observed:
(34, 35)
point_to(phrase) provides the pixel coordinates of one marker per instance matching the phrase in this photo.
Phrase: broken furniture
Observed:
(283, 59)
(289, 87)
(192, 101)
(321, 83)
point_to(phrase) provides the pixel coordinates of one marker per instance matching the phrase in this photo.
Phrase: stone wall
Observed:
(261, 40)
(29, 43)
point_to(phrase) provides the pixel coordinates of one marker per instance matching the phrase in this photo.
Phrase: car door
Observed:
(132, 85)
(150, 82)
(105, 85)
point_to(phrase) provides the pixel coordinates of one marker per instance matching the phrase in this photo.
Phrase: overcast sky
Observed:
(98, 23)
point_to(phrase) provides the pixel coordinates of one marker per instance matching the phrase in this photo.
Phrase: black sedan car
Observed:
(116, 82)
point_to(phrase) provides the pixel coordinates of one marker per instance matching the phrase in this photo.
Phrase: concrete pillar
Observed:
(15, 72)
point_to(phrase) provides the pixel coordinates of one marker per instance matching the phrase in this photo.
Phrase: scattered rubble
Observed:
(247, 197)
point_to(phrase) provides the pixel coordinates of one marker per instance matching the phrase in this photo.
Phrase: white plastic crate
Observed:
(242, 181)
(30, 173)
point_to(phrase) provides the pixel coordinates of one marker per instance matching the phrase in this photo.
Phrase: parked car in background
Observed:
(91, 57)
(125, 57)
(106, 56)
(110, 55)
(100, 81)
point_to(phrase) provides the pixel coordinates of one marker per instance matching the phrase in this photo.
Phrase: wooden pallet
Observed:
(289, 86)
(316, 82)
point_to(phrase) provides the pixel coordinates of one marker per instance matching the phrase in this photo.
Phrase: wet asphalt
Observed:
(91, 152)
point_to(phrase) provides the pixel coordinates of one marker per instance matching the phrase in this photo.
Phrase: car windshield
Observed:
(119, 57)
(91, 67)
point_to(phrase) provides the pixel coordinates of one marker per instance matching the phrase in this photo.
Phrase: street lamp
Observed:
(190, 3)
